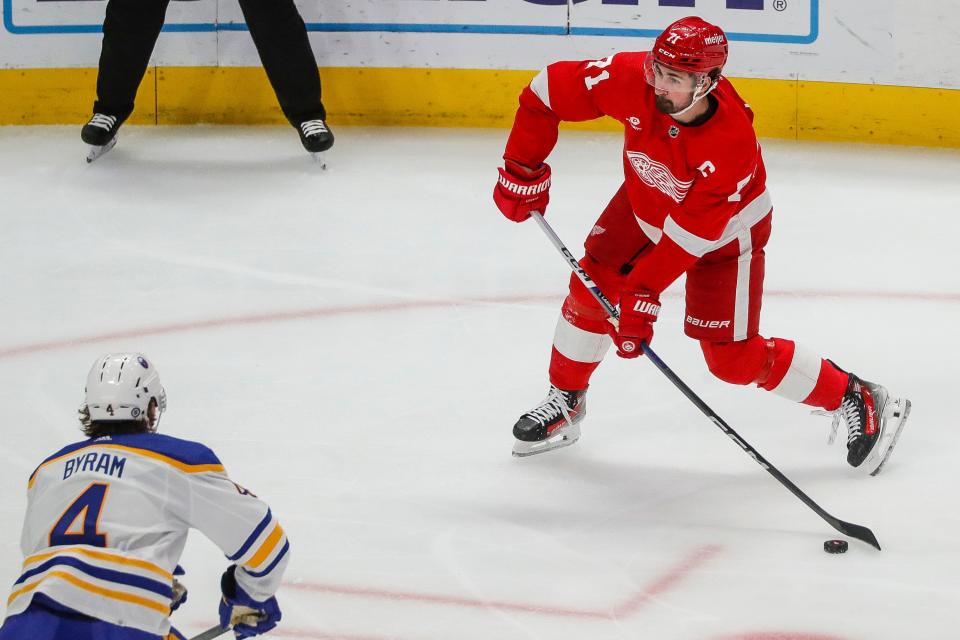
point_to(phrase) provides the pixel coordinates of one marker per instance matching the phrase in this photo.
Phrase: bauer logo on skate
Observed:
(656, 174)
(708, 324)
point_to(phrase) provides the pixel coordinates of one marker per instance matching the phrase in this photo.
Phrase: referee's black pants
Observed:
(131, 28)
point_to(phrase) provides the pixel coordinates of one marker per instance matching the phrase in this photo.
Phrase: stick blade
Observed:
(858, 532)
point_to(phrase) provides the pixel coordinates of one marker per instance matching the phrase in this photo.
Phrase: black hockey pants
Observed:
(131, 28)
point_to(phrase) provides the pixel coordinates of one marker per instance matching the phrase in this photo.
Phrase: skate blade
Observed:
(320, 158)
(98, 150)
(562, 437)
(900, 413)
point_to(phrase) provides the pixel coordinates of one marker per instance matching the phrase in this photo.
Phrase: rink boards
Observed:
(791, 109)
(811, 70)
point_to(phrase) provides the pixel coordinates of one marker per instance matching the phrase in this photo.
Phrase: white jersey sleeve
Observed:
(224, 512)
(107, 520)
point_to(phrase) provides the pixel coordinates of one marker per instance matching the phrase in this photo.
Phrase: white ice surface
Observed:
(356, 344)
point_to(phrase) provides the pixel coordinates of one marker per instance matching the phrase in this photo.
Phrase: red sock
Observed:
(568, 374)
(802, 376)
(830, 387)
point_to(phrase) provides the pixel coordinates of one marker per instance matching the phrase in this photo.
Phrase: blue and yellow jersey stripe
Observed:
(186, 456)
(100, 555)
(111, 594)
(108, 575)
(263, 549)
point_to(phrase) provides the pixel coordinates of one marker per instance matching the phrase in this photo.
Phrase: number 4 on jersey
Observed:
(78, 524)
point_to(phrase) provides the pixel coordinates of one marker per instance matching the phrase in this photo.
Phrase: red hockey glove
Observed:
(638, 312)
(521, 190)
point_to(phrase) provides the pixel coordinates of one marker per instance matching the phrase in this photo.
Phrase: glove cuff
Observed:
(234, 593)
(522, 171)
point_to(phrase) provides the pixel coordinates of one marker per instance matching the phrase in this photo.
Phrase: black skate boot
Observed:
(874, 421)
(554, 423)
(316, 138)
(101, 134)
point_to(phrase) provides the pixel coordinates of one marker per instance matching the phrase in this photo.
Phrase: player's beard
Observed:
(667, 106)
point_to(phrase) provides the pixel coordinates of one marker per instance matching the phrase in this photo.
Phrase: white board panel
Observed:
(901, 42)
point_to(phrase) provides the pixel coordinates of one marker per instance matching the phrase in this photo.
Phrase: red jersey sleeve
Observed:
(568, 91)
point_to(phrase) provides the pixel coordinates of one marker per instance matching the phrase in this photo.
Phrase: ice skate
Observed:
(874, 421)
(101, 134)
(316, 138)
(554, 423)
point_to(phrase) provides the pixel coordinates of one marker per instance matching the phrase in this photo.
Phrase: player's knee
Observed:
(580, 303)
(738, 362)
(584, 314)
(580, 307)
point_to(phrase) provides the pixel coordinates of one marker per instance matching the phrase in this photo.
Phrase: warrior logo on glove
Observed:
(645, 306)
(520, 190)
(524, 190)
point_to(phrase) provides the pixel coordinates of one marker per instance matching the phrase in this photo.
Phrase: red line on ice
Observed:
(780, 635)
(266, 318)
(410, 305)
(629, 607)
(666, 582)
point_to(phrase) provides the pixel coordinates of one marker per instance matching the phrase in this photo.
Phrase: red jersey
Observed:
(693, 188)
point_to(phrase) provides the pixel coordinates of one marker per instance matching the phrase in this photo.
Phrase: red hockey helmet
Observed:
(691, 44)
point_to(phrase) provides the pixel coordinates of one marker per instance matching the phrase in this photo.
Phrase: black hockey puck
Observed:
(835, 546)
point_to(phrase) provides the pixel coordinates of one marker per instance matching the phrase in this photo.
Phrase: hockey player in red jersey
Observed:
(695, 201)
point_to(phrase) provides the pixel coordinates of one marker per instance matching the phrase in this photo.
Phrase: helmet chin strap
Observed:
(696, 98)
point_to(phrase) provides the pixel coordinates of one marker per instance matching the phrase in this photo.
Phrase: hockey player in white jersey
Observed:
(107, 520)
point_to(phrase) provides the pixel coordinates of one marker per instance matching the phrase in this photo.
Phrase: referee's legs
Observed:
(281, 39)
(130, 31)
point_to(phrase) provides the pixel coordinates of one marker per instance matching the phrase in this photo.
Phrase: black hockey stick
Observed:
(849, 529)
(211, 633)
(251, 618)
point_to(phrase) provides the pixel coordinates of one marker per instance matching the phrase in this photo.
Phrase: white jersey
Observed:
(107, 520)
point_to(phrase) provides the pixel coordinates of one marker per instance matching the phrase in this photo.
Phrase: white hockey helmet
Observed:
(120, 386)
